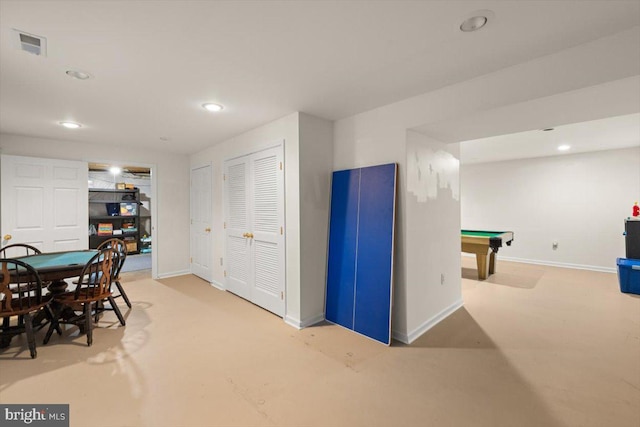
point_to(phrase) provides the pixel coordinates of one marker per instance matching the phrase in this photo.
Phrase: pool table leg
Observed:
(492, 263)
(482, 261)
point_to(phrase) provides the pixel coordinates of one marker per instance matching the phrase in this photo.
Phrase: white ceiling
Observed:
(155, 63)
(610, 133)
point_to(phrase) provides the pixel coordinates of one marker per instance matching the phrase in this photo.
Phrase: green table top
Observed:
(58, 259)
(478, 233)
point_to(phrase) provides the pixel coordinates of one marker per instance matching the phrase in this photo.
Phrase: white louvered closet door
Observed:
(268, 230)
(236, 226)
(260, 246)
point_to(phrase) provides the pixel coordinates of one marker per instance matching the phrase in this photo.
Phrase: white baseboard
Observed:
(562, 264)
(173, 274)
(555, 264)
(301, 324)
(292, 321)
(428, 324)
(217, 285)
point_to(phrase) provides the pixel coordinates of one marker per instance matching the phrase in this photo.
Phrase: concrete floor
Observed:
(532, 346)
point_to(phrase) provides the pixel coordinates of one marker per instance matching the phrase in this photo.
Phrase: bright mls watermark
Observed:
(54, 415)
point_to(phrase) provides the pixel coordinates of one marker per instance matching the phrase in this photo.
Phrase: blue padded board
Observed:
(360, 260)
(341, 272)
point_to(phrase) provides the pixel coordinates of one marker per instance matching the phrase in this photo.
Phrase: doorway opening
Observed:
(120, 205)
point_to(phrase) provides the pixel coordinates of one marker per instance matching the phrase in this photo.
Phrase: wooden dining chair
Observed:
(18, 250)
(94, 288)
(20, 298)
(119, 246)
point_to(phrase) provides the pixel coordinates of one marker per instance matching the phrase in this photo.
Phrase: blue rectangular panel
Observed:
(342, 247)
(375, 252)
(360, 259)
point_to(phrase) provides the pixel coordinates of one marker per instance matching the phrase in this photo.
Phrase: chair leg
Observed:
(123, 293)
(5, 337)
(87, 323)
(31, 339)
(115, 308)
(98, 309)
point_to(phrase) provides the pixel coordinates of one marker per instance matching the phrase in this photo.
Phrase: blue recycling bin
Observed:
(629, 275)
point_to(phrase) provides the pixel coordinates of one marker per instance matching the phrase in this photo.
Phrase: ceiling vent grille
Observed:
(36, 45)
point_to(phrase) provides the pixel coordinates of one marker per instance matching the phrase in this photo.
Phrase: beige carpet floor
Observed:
(532, 346)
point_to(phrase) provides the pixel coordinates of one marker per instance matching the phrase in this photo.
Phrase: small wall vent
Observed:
(36, 45)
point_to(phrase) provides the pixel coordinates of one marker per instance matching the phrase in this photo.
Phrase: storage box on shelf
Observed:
(145, 241)
(114, 213)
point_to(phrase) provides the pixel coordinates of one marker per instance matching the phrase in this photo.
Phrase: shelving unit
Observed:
(145, 243)
(115, 213)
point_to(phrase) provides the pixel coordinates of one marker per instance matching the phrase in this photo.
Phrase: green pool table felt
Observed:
(481, 233)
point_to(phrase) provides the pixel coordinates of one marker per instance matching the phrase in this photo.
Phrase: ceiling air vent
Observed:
(31, 43)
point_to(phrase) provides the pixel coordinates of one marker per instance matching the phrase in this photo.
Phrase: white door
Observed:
(267, 229)
(255, 228)
(44, 203)
(201, 256)
(236, 227)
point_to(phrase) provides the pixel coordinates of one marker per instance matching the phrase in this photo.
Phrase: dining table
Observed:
(53, 268)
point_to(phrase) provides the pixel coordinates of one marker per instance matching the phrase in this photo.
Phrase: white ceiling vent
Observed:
(31, 43)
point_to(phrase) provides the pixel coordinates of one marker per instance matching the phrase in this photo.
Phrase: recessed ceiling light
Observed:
(212, 107)
(71, 125)
(80, 75)
(547, 129)
(563, 147)
(473, 24)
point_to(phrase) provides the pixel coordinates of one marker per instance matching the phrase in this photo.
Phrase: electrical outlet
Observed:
(442, 279)
(554, 245)
(220, 260)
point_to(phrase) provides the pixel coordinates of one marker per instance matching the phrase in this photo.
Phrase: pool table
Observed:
(485, 245)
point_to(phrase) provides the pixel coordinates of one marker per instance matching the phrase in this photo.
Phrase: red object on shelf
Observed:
(636, 210)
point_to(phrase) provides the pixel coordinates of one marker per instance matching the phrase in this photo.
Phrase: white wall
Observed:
(308, 143)
(285, 131)
(316, 165)
(432, 208)
(578, 200)
(171, 170)
(380, 135)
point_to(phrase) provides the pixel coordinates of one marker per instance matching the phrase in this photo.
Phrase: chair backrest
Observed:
(119, 246)
(18, 250)
(97, 275)
(115, 243)
(20, 287)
